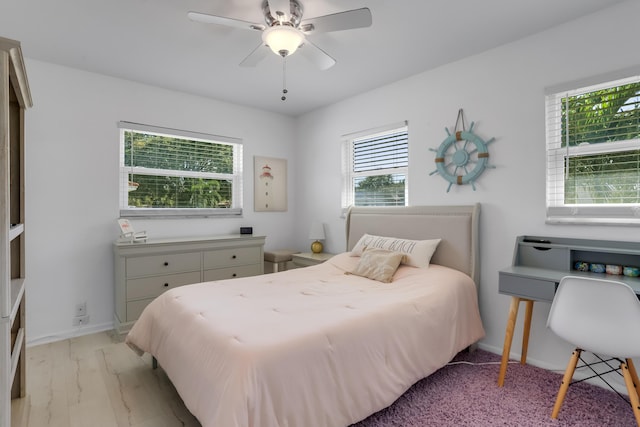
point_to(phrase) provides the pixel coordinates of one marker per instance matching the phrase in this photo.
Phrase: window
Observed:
(593, 154)
(375, 167)
(168, 172)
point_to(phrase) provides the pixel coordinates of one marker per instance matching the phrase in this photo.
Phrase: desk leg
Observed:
(525, 332)
(508, 338)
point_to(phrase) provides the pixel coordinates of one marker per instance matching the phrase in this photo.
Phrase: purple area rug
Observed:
(468, 395)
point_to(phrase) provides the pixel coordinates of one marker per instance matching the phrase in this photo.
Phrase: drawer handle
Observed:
(234, 275)
(166, 285)
(233, 257)
(166, 263)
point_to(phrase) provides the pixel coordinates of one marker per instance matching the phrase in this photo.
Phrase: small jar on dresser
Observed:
(143, 271)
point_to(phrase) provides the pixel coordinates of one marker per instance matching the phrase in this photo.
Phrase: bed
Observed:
(317, 346)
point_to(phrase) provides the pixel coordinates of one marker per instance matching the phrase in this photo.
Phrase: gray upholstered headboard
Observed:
(457, 226)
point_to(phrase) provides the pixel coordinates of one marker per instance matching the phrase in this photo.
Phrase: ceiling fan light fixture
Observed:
(283, 40)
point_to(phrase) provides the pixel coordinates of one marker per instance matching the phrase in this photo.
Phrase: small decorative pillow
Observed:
(378, 264)
(417, 253)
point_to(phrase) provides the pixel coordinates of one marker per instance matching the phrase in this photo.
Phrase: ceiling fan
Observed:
(285, 31)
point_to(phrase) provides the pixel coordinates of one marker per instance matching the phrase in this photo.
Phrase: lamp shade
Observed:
(283, 39)
(317, 231)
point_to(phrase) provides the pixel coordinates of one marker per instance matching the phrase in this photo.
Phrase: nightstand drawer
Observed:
(231, 257)
(148, 287)
(232, 272)
(308, 259)
(163, 264)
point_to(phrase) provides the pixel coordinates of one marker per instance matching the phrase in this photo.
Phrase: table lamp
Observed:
(316, 234)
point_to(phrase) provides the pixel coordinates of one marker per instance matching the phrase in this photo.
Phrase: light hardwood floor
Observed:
(96, 381)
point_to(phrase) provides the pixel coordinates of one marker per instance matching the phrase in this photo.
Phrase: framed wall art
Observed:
(269, 184)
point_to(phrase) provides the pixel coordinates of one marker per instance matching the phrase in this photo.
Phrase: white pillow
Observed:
(417, 253)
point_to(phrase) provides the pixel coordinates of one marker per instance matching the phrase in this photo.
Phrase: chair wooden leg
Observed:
(634, 374)
(629, 372)
(566, 380)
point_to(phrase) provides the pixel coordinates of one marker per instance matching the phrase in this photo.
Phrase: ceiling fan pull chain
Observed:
(284, 78)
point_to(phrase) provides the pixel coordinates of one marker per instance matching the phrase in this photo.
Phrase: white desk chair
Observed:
(601, 317)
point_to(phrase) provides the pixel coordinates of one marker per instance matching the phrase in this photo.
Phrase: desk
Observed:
(539, 263)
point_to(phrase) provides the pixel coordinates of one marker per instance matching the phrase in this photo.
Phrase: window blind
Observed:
(173, 172)
(593, 153)
(381, 152)
(376, 166)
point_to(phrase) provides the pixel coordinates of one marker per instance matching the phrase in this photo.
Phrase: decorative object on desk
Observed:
(316, 234)
(128, 234)
(270, 184)
(614, 269)
(631, 271)
(581, 266)
(595, 267)
(462, 156)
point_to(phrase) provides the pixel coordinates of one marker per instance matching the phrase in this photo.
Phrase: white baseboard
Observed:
(70, 333)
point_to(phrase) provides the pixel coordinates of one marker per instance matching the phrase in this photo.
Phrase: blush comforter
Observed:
(307, 347)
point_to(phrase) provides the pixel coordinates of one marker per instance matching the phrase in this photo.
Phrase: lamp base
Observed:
(316, 247)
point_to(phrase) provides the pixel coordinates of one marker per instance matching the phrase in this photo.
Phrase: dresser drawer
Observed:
(147, 287)
(232, 272)
(163, 264)
(231, 257)
(143, 271)
(134, 308)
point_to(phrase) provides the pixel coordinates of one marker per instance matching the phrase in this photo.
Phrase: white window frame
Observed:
(236, 178)
(348, 174)
(597, 214)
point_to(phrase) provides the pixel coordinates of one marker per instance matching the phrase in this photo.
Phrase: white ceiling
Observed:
(153, 42)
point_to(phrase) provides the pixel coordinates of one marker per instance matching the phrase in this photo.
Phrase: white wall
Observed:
(72, 185)
(503, 92)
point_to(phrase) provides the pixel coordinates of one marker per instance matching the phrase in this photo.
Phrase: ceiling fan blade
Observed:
(221, 20)
(319, 57)
(356, 18)
(282, 6)
(256, 56)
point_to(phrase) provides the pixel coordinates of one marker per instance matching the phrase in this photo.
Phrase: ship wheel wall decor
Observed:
(462, 157)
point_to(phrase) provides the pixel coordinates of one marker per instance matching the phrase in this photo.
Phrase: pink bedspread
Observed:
(307, 347)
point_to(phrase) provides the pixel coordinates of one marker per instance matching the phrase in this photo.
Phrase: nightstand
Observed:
(307, 259)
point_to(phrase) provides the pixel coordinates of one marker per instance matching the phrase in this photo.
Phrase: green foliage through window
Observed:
(604, 178)
(606, 115)
(165, 171)
(380, 190)
(596, 155)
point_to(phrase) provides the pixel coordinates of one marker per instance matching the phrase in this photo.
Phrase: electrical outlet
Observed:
(81, 309)
(80, 320)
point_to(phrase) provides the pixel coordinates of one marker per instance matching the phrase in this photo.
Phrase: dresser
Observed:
(143, 271)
